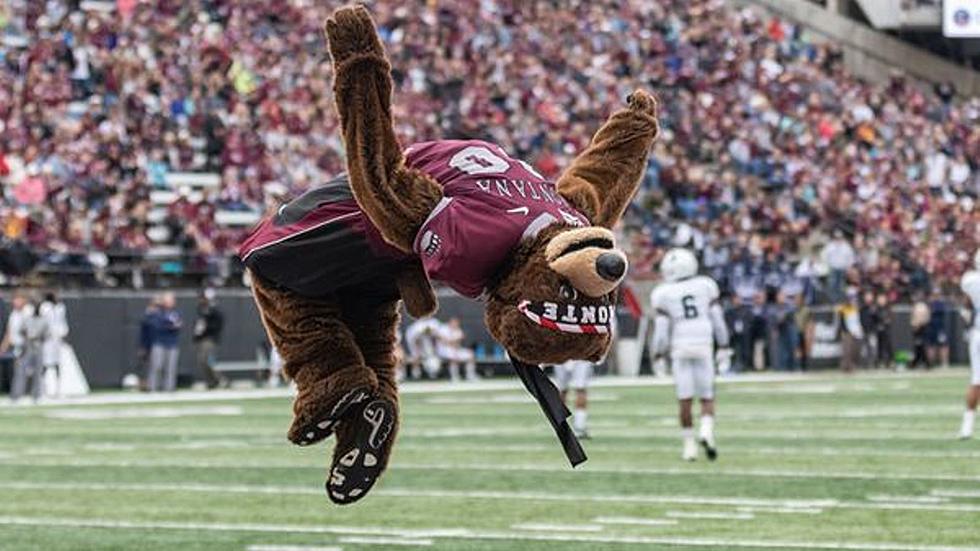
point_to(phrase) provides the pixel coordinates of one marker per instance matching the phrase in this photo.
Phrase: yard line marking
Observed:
(781, 510)
(784, 505)
(290, 548)
(476, 535)
(385, 541)
(956, 493)
(908, 499)
(504, 467)
(636, 521)
(101, 414)
(441, 387)
(515, 398)
(545, 527)
(710, 515)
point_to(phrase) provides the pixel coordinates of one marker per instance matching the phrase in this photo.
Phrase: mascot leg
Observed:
(364, 441)
(320, 354)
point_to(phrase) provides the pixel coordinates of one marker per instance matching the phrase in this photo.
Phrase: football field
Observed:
(866, 462)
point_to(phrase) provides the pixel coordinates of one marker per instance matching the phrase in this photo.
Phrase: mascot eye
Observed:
(567, 292)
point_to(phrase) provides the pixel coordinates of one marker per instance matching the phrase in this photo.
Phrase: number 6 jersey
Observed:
(688, 315)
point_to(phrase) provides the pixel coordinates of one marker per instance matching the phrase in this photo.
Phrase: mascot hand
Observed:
(350, 32)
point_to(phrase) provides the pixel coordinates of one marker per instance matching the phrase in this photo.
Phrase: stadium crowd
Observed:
(771, 149)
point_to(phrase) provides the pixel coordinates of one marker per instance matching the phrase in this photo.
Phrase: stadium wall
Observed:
(871, 54)
(105, 330)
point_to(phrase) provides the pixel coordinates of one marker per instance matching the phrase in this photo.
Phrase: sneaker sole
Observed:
(358, 468)
(315, 432)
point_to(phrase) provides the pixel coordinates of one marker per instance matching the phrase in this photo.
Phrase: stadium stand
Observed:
(143, 138)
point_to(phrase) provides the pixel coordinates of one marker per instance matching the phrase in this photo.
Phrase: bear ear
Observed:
(602, 180)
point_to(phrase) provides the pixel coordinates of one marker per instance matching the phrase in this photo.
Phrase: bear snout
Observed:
(610, 266)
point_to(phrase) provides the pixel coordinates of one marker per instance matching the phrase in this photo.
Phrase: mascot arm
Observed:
(395, 198)
(603, 178)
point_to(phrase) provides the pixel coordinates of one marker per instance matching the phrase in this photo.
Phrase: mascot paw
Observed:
(350, 31)
(321, 405)
(363, 445)
(644, 102)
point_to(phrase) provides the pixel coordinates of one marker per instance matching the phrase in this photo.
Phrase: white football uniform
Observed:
(971, 287)
(573, 374)
(688, 322)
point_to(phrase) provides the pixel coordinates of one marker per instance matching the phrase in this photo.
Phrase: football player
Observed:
(971, 288)
(688, 323)
(576, 375)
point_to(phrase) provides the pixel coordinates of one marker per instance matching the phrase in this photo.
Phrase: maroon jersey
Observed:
(491, 203)
(322, 241)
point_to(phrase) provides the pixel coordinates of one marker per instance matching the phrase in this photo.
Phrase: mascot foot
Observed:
(318, 409)
(363, 445)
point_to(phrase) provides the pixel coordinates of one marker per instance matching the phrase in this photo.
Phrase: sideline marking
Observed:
(546, 527)
(762, 504)
(473, 534)
(710, 515)
(636, 521)
(101, 414)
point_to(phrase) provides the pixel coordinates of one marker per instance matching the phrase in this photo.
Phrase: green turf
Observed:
(858, 461)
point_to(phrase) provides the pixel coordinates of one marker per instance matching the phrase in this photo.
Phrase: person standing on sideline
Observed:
(207, 335)
(147, 338)
(165, 352)
(852, 334)
(920, 324)
(53, 310)
(886, 351)
(13, 342)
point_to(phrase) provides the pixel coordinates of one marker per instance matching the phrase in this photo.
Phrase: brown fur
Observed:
(341, 342)
(319, 351)
(530, 278)
(603, 179)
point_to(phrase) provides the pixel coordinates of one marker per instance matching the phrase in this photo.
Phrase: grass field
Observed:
(822, 462)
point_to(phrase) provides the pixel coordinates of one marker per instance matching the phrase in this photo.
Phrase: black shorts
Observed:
(321, 243)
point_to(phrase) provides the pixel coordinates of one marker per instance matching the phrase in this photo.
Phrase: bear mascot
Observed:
(330, 268)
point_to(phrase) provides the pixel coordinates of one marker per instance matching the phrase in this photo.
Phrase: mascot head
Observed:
(556, 300)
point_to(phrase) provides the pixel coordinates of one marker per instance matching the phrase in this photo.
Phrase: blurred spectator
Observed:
(838, 255)
(883, 330)
(165, 350)
(919, 321)
(806, 327)
(767, 138)
(451, 349)
(740, 319)
(870, 324)
(53, 310)
(147, 338)
(207, 335)
(852, 334)
(938, 329)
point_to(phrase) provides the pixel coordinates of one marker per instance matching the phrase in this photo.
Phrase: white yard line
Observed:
(969, 494)
(291, 548)
(760, 504)
(636, 521)
(101, 414)
(686, 471)
(467, 534)
(709, 515)
(907, 499)
(547, 527)
(508, 384)
(385, 541)
(782, 510)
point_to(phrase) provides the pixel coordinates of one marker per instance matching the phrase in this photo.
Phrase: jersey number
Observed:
(690, 310)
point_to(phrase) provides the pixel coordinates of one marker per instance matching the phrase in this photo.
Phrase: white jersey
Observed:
(970, 284)
(690, 308)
